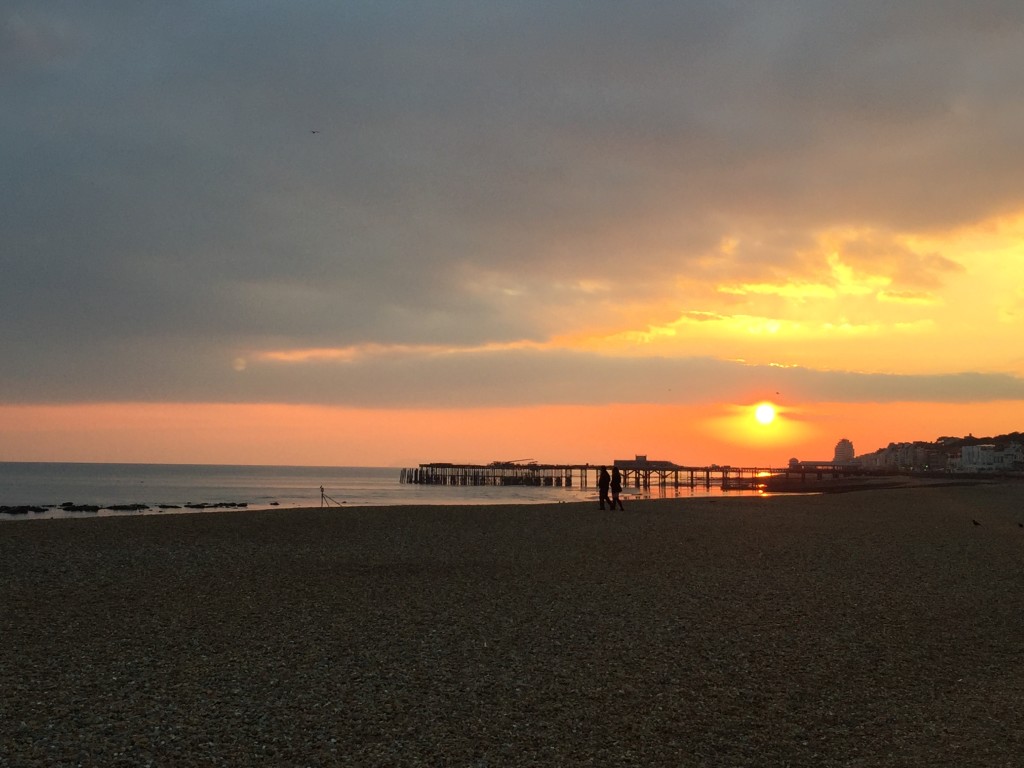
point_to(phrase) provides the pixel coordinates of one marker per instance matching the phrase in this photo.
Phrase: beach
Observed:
(874, 628)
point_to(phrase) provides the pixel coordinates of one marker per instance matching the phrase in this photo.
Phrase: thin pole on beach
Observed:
(325, 499)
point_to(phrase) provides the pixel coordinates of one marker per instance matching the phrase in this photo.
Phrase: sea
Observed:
(59, 488)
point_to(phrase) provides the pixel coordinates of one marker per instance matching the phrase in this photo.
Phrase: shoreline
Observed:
(777, 487)
(850, 629)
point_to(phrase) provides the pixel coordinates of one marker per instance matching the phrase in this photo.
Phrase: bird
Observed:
(314, 131)
(975, 522)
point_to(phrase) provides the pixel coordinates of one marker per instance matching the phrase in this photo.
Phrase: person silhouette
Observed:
(616, 486)
(604, 481)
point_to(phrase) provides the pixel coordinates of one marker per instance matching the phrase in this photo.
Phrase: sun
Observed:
(765, 413)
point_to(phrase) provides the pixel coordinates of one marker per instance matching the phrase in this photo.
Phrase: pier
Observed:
(639, 473)
(499, 473)
(635, 474)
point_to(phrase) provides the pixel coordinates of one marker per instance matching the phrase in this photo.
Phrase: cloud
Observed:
(32, 39)
(905, 266)
(479, 175)
(432, 377)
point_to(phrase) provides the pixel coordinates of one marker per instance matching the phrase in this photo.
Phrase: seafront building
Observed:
(990, 458)
(895, 457)
(844, 452)
(939, 457)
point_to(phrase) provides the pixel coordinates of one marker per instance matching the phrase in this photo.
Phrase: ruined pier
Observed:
(636, 473)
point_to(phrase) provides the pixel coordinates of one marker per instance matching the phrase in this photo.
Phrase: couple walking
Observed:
(613, 483)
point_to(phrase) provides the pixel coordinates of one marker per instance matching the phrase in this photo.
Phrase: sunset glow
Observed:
(765, 413)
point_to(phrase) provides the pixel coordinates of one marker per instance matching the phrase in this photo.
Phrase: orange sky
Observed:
(325, 436)
(968, 319)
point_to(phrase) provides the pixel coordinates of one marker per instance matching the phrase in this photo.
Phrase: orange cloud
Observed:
(353, 353)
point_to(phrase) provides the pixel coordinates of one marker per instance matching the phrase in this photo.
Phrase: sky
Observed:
(384, 233)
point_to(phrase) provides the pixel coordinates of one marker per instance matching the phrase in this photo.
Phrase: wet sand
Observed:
(876, 628)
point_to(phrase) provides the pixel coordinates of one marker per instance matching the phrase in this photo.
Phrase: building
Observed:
(844, 452)
(643, 464)
(991, 458)
(902, 457)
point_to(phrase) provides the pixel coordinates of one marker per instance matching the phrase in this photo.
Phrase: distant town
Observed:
(1003, 453)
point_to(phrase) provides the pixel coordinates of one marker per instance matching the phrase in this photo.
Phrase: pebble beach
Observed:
(874, 628)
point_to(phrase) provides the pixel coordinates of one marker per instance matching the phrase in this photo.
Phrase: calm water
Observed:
(259, 487)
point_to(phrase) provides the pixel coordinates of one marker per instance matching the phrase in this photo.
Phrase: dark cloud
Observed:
(167, 201)
(176, 370)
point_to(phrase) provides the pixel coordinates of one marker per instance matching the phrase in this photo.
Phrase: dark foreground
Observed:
(881, 628)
